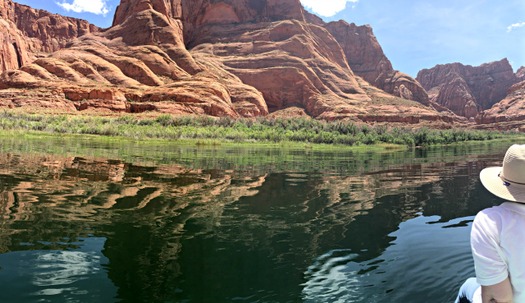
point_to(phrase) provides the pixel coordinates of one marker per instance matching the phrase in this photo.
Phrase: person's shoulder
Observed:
(491, 211)
(496, 215)
(502, 209)
(513, 207)
(491, 216)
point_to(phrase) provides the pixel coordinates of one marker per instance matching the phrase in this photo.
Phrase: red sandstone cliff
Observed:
(366, 58)
(509, 113)
(25, 32)
(467, 90)
(48, 32)
(139, 64)
(520, 74)
(292, 62)
(222, 58)
(13, 47)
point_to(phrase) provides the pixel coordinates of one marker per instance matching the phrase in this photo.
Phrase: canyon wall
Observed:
(465, 89)
(25, 32)
(509, 113)
(237, 58)
(367, 59)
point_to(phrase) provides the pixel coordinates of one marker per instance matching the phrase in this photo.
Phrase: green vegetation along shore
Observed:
(208, 130)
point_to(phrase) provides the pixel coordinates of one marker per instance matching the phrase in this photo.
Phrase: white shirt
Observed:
(498, 246)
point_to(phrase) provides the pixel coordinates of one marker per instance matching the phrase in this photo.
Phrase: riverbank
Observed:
(209, 131)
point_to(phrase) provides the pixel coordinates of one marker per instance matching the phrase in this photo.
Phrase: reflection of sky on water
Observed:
(68, 275)
(63, 268)
(327, 275)
(339, 275)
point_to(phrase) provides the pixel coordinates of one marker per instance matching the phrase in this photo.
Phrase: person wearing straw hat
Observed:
(498, 236)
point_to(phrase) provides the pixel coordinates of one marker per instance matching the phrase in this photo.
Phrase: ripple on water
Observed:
(71, 275)
(327, 276)
(422, 261)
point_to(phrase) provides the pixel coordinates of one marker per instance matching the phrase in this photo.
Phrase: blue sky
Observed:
(414, 34)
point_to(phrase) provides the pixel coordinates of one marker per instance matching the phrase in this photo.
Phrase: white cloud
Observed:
(514, 26)
(97, 7)
(326, 8)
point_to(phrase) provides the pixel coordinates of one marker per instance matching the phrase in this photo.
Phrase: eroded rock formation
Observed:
(14, 51)
(366, 58)
(25, 32)
(520, 74)
(139, 64)
(221, 58)
(509, 113)
(467, 90)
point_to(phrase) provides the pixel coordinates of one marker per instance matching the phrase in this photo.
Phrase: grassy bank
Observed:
(208, 130)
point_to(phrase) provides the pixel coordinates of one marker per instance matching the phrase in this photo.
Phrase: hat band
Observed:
(509, 181)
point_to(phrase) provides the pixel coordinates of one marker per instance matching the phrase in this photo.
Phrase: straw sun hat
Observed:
(508, 181)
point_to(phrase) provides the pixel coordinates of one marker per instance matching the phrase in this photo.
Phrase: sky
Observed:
(414, 34)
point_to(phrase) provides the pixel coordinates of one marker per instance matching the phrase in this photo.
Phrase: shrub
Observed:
(165, 120)
(300, 129)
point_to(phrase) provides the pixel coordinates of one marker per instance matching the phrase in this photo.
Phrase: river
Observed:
(86, 220)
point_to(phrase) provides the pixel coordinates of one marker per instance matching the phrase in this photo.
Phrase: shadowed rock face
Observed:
(520, 74)
(14, 49)
(508, 114)
(366, 58)
(26, 31)
(468, 90)
(221, 58)
(293, 59)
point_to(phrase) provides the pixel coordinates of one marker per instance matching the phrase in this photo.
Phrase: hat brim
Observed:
(493, 183)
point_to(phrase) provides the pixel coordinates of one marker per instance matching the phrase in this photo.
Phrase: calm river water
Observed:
(86, 221)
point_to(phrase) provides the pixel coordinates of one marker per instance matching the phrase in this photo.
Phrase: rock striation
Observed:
(520, 74)
(48, 32)
(237, 58)
(509, 113)
(367, 59)
(468, 90)
(14, 51)
(291, 62)
(26, 32)
(139, 64)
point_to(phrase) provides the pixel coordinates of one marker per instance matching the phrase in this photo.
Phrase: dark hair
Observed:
(463, 299)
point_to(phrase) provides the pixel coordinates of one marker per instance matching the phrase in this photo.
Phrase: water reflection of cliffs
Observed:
(79, 189)
(142, 211)
(167, 222)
